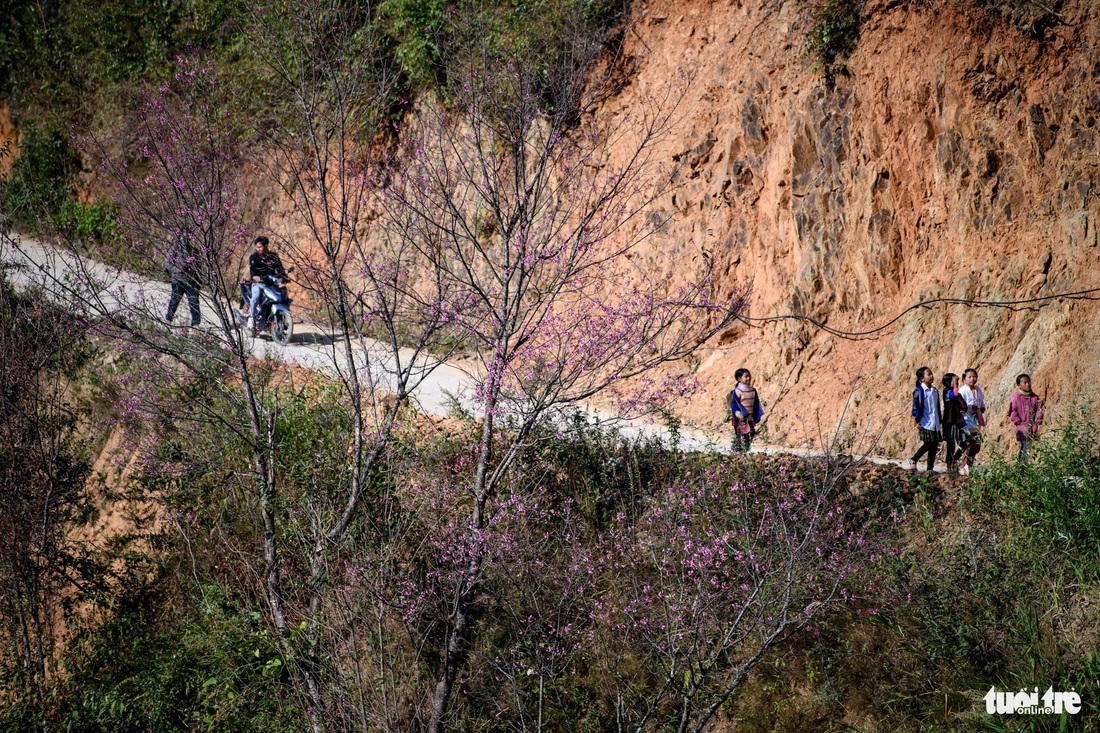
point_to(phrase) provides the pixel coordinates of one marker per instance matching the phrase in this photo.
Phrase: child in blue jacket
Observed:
(927, 416)
(745, 411)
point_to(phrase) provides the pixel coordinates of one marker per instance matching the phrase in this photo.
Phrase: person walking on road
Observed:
(926, 415)
(745, 411)
(953, 418)
(1025, 411)
(975, 419)
(182, 266)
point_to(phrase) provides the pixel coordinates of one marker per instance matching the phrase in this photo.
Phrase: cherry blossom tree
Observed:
(536, 205)
(327, 87)
(715, 574)
(177, 173)
(653, 616)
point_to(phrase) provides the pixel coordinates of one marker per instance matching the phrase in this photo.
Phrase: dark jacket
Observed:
(182, 263)
(954, 408)
(918, 404)
(266, 265)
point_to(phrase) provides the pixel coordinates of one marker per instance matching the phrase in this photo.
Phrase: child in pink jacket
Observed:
(1025, 410)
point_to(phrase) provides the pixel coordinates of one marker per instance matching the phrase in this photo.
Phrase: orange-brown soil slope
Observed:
(956, 158)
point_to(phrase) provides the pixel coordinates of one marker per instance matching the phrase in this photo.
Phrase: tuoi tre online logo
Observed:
(1031, 703)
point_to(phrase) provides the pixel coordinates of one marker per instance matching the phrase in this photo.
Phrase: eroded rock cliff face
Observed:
(956, 158)
(9, 141)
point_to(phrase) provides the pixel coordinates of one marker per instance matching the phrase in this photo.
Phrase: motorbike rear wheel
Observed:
(282, 327)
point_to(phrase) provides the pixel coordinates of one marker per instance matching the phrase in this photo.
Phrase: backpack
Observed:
(172, 262)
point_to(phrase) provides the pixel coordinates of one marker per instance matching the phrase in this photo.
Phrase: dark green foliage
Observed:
(432, 40)
(313, 432)
(66, 66)
(833, 33)
(414, 28)
(40, 195)
(94, 228)
(54, 57)
(88, 222)
(153, 667)
(41, 178)
(976, 612)
(1056, 494)
(175, 645)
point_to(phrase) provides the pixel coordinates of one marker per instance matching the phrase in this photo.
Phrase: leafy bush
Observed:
(41, 178)
(413, 27)
(834, 32)
(40, 197)
(212, 668)
(94, 223)
(977, 600)
(431, 39)
(968, 602)
(59, 59)
(1056, 494)
(55, 56)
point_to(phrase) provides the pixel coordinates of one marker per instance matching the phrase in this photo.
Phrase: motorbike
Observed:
(273, 310)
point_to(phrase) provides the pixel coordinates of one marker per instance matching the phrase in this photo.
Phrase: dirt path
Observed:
(312, 347)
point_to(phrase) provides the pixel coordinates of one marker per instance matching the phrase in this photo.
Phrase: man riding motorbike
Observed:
(262, 263)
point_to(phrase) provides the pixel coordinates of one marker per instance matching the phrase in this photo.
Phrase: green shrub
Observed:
(430, 39)
(213, 667)
(41, 197)
(55, 57)
(833, 33)
(1055, 494)
(41, 178)
(413, 27)
(94, 228)
(95, 223)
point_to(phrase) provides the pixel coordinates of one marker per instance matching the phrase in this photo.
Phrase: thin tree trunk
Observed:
(457, 644)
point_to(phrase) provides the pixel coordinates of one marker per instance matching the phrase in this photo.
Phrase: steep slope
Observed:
(957, 158)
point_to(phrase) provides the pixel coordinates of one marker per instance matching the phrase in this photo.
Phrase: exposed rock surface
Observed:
(9, 140)
(957, 158)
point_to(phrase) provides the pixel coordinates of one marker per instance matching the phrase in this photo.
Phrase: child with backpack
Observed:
(926, 414)
(1025, 410)
(745, 411)
(954, 409)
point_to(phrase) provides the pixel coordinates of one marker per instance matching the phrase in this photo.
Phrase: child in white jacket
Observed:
(975, 419)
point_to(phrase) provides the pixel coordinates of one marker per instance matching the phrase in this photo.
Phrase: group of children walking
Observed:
(957, 420)
(961, 418)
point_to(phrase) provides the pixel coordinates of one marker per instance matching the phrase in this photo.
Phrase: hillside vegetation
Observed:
(588, 201)
(611, 561)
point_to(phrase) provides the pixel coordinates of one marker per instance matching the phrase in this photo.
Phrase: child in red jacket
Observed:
(1025, 410)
